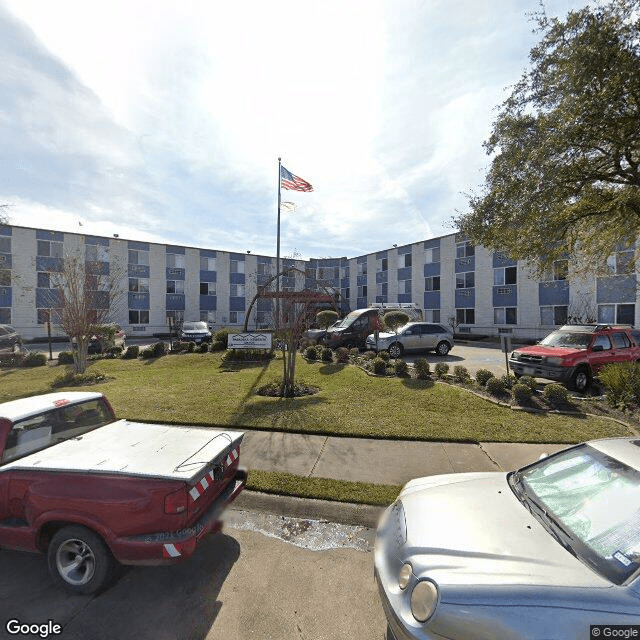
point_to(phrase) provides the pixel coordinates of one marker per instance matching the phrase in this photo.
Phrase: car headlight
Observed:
(424, 599)
(515, 355)
(404, 576)
(555, 361)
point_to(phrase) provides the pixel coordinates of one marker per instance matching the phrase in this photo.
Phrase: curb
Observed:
(362, 515)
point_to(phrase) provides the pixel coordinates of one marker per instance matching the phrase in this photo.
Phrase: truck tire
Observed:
(581, 379)
(79, 560)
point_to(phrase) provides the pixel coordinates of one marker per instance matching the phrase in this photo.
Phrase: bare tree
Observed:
(83, 296)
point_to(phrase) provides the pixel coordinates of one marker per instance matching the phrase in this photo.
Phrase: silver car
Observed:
(547, 552)
(413, 336)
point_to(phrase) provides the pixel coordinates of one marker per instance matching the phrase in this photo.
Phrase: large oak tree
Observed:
(565, 147)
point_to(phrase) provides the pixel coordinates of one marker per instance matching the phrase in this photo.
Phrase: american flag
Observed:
(289, 181)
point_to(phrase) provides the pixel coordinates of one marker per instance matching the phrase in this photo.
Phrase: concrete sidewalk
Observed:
(391, 462)
(379, 461)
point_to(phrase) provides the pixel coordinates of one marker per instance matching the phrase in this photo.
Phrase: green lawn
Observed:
(194, 389)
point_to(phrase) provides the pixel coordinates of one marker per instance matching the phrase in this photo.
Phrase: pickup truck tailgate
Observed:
(174, 452)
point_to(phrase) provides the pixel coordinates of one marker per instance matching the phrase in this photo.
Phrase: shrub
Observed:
(461, 374)
(529, 381)
(379, 366)
(384, 355)
(508, 380)
(555, 394)
(495, 386)
(34, 360)
(401, 367)
(71, 379)
(354, 352)
(132, 352)
(369, 355)
(247, 355)
(147, 353)
(203, 348)
(160, 349)
(218, 345)
(423, 371)
(621, 383)
(482, 376)
(222, 335)
(310, 353)
(191, 347)
(521, 393)
(326, 354)
(342, 354)
(114, 352)
(441, 369)
(65, 357)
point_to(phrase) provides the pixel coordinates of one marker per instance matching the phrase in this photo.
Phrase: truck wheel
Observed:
(79, 560)
(395, 350)
(442, 348)
(581, 380)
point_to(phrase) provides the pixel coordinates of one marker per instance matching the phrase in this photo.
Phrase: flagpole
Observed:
(278, 253)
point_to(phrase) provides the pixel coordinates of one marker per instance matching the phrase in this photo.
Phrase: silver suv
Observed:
(414, 336)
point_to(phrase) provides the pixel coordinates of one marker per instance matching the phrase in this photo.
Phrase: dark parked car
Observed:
(10, 339)
(195, 332)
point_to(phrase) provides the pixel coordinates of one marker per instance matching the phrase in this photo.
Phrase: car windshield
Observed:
(194, 326)
(592, 502)
(573, 339)
(347, 320)
(51, 427)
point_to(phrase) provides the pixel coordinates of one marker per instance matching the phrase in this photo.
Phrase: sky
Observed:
(163, 121)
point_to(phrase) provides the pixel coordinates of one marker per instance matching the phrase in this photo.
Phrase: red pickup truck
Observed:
(92, 491)
(574, 353)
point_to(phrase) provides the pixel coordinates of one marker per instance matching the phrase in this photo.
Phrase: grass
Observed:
(196, 389)
(199, 389)
(322, 488)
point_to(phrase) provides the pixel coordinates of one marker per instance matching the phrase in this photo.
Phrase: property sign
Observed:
(249, 341)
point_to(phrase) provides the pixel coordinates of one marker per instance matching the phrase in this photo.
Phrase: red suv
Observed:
(574, 353)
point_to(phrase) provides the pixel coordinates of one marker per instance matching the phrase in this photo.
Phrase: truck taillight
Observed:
(176, 502)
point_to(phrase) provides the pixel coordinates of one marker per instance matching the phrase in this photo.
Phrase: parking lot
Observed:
(262, 577)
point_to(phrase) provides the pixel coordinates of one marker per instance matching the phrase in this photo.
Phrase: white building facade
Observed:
(454, 282)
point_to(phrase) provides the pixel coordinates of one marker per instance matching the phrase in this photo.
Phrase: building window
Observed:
(465, 280)
(466, 316)
(175, 318)
(362, 291)
(207, 264)
(235, 317)
(557, 315)
(432, 256)
(209, 317)
(5, 315)
(237, 266)
(465, 250)
(139, 285)
(138, 316)
(237, 290)
(175, 286)
(505, 315)
(404, 260)
(263, 318)
(207, 288)
(96, 253)
(44, 315)
(362, 268)
(44, 280)
(5, 245)
(139, 257)
(175, 261)
(382, 289)
(5, 280)
(620, 263)
(383, 264)
(560, 269)
(404, 286)
(616, 313)
(505, 275)
(49, 249)
(432, 283)
(264, 269)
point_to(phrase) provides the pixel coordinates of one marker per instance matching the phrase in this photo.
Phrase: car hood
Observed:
(540, 350)
(470, 529)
